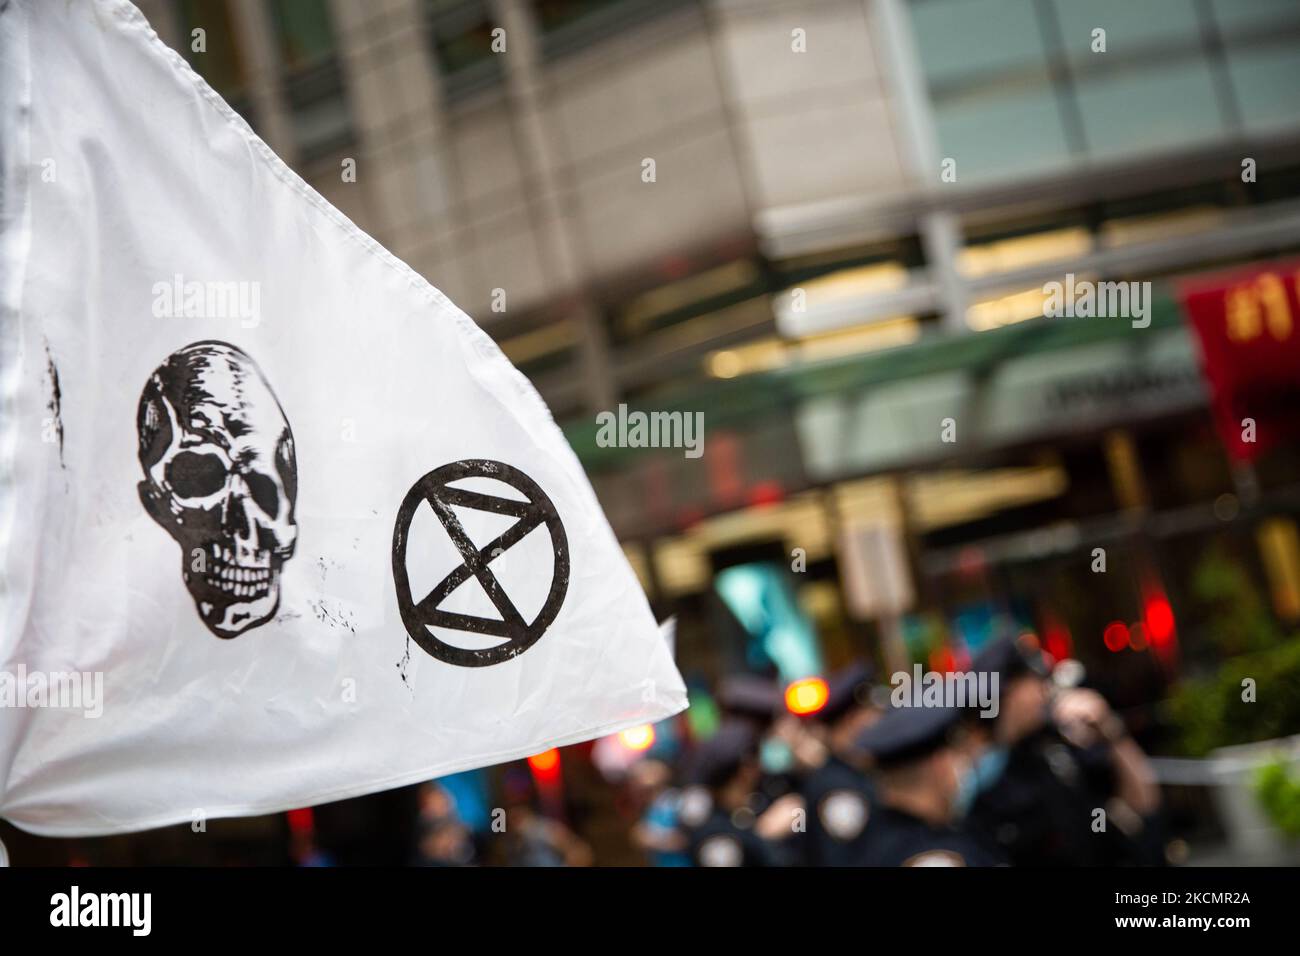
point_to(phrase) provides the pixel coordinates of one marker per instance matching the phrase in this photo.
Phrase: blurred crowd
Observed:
(867, 777)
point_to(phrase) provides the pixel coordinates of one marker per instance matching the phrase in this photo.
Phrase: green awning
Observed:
(731, 402)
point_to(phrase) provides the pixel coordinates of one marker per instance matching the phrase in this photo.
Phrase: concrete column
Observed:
(395, 93)
(162, 17)
(940, 230)
(255, 35)
(561, 246)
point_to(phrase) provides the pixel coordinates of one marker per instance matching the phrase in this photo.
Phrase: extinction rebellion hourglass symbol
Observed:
(419, 613)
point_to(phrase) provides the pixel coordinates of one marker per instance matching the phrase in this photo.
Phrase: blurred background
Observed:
(828, 225)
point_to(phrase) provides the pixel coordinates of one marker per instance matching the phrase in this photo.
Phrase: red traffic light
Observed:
(1116, 636)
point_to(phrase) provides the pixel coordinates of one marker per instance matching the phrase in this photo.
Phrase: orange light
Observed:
(1116, 636)
(546, 762)
(638, 738)
(807, 696)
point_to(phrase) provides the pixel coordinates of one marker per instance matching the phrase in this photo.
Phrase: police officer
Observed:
(749, 697)
(728, 831)
(1060, 783)
(922, 774)
(758, 701)
(838, 793)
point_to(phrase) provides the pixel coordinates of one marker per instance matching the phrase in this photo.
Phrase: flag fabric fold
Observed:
(279, 524)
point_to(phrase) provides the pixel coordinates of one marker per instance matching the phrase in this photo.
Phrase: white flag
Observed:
(278, 523)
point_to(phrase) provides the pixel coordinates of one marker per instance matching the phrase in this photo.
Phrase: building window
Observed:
(571, 24)
(312, 77)
(1152, 89)
(1030, 72)
(460, 32)
(1261, 44)
(221, 61)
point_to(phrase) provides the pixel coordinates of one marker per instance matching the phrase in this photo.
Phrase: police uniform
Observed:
(895, 837)
(728, 839)
(837, 795)
(718, 836)
(756, 700)
(839, 800)
(1040, 808)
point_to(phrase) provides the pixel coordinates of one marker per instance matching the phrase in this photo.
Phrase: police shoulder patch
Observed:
(721, 850)
(694, 806)
(936, 858)
(843, 813)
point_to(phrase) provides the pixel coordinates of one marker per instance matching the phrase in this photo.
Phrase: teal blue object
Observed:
(762, 598)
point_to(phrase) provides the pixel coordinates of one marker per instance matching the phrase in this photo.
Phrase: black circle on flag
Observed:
(420, 614)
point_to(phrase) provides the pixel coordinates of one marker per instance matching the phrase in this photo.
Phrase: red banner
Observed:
(1248, 324)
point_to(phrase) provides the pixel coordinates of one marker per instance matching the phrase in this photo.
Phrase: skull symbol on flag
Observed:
(221, 478)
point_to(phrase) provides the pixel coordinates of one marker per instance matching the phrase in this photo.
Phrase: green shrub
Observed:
(1279, 795)
(1211, 712)
(1235, 613)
